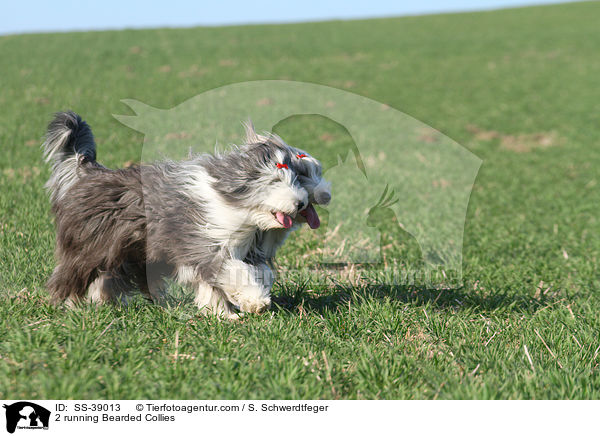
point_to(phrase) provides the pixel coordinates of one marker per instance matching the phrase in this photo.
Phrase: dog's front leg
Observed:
(212, 300)
(209, 299)
(246, 286)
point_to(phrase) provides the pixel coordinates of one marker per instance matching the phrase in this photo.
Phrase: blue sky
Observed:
(65, 15)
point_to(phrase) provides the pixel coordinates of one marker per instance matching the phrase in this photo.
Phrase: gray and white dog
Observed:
(213, 221)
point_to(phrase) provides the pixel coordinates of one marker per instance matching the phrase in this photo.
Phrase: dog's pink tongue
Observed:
(312, 217)
(284, 220)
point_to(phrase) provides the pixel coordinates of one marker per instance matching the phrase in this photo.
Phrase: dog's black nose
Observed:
(322, 197)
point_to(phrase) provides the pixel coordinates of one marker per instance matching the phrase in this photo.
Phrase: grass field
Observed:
(519, 88)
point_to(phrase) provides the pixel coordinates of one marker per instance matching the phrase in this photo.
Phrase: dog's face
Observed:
(293, 185)
(274, 183)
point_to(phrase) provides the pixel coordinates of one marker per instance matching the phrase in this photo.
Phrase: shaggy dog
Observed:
(213, 221)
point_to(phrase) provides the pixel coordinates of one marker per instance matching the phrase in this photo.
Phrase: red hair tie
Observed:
(280, 166)
(300, 156)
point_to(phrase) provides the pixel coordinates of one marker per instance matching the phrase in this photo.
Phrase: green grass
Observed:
(519, 88)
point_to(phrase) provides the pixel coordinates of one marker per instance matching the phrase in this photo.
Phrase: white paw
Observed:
(253, 304)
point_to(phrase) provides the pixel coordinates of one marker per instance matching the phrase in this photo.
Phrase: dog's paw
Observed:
(255, 305)
(231, 316)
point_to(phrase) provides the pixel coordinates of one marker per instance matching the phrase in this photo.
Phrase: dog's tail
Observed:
(69, 144)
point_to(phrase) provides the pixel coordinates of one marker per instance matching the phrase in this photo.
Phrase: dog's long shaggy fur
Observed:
(214, 221)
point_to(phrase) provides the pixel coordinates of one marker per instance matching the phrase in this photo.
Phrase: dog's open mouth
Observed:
(309, 214)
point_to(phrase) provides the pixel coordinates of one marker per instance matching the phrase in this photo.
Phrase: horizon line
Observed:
(466, 10)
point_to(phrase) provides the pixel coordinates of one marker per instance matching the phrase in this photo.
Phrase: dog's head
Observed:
(275, 183)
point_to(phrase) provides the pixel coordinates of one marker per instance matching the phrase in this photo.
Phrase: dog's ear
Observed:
(251, 136)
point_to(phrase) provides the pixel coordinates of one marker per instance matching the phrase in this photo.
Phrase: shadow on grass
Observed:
(294, 299)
